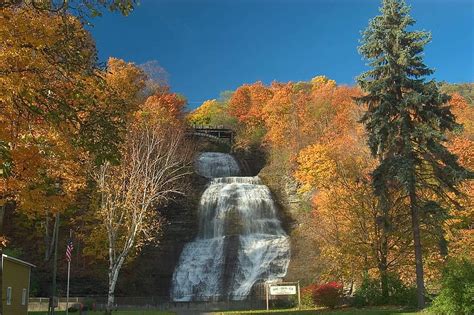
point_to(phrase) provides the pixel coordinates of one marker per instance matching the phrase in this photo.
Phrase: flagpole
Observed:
(68, 276)
(67, 291)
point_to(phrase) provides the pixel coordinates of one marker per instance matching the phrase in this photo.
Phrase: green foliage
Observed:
(284, 303)
(370, 293)
(89, 303)
(457, 289)
(407, 119)
(14, 252)
(399, 293)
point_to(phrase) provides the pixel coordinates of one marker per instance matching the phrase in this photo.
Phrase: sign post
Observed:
(67, 290)
(266, 293)
(283, 288)
(299, 296)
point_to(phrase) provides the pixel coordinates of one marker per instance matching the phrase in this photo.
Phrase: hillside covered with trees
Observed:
(374, 181)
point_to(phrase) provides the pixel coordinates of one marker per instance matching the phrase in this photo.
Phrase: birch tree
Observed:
(154, 163)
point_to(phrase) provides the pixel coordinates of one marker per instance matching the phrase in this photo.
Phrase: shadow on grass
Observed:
(346, 311)
(139, 312)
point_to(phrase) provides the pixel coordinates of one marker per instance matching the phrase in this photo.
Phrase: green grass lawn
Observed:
(347, 311)
(143, 312)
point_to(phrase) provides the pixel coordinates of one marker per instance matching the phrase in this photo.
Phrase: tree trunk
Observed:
(385, 226)
(114, 270)
(49, 240)
(2, 214)
(420, 283)
(384, 277)
(1, 279)
(54, 245)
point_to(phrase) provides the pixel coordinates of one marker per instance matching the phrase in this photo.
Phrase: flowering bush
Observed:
(328, 294)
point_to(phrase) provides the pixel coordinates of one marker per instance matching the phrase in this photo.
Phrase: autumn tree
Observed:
(348, 226)
(246, 105)
(406, 121)
(205, 113)
(163, 107)
(459, 225)
(155, 159)
(83, 8)
(60, 113)
(57, 113)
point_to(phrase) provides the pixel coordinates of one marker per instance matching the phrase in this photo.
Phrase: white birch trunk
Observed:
(154, 162)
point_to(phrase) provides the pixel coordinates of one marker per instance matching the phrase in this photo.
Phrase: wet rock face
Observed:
(240, 240)
(298, 221)
(150, 274)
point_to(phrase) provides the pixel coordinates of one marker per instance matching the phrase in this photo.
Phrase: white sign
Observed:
(283, 289)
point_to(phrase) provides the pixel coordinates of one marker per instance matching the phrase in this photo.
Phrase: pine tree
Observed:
(406, 120)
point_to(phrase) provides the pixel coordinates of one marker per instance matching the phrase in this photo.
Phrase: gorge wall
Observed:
(151, 274)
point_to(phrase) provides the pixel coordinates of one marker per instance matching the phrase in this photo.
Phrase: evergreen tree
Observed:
(406, 120)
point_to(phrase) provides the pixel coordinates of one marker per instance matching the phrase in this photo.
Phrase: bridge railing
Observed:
(195, 126)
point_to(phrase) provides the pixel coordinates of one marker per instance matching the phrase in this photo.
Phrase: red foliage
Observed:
(328, 294)
(309, 289)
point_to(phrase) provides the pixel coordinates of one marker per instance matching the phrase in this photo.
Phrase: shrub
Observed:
(328, 294)
(457, 289)
(399, 293)
(75, 308)
(370, 293)
(89, 304)
(284, 303)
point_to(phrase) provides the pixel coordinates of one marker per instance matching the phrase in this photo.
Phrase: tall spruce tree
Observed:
(406, 120)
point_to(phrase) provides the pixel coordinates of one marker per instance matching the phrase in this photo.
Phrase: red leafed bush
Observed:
(328, 294)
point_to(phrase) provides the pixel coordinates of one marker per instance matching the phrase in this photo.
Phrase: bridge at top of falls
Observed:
(218, 133)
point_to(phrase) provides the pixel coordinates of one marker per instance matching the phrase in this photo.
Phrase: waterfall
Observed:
(240, 239)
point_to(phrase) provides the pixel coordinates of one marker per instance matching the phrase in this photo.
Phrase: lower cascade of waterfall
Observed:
(240, 240)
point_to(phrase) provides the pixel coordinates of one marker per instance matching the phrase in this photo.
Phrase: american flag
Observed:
(69, 249)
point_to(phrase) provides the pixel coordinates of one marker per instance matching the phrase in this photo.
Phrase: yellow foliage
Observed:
(315, 167)
(203, 114)
(322, 81)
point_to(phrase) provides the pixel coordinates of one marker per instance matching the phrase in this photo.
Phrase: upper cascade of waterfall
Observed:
(254, 180)
(216, 164)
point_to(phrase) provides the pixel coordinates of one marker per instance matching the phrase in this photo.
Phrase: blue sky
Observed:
(209, 46)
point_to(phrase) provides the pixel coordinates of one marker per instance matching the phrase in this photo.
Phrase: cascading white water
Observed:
(240, 239)
(215, 164)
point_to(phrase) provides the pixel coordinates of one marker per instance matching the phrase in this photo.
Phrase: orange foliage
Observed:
(247, 102)
(164, 108)
(460, 226)
(281, 118)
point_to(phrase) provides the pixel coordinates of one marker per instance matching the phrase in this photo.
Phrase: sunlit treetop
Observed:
(80, 8)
